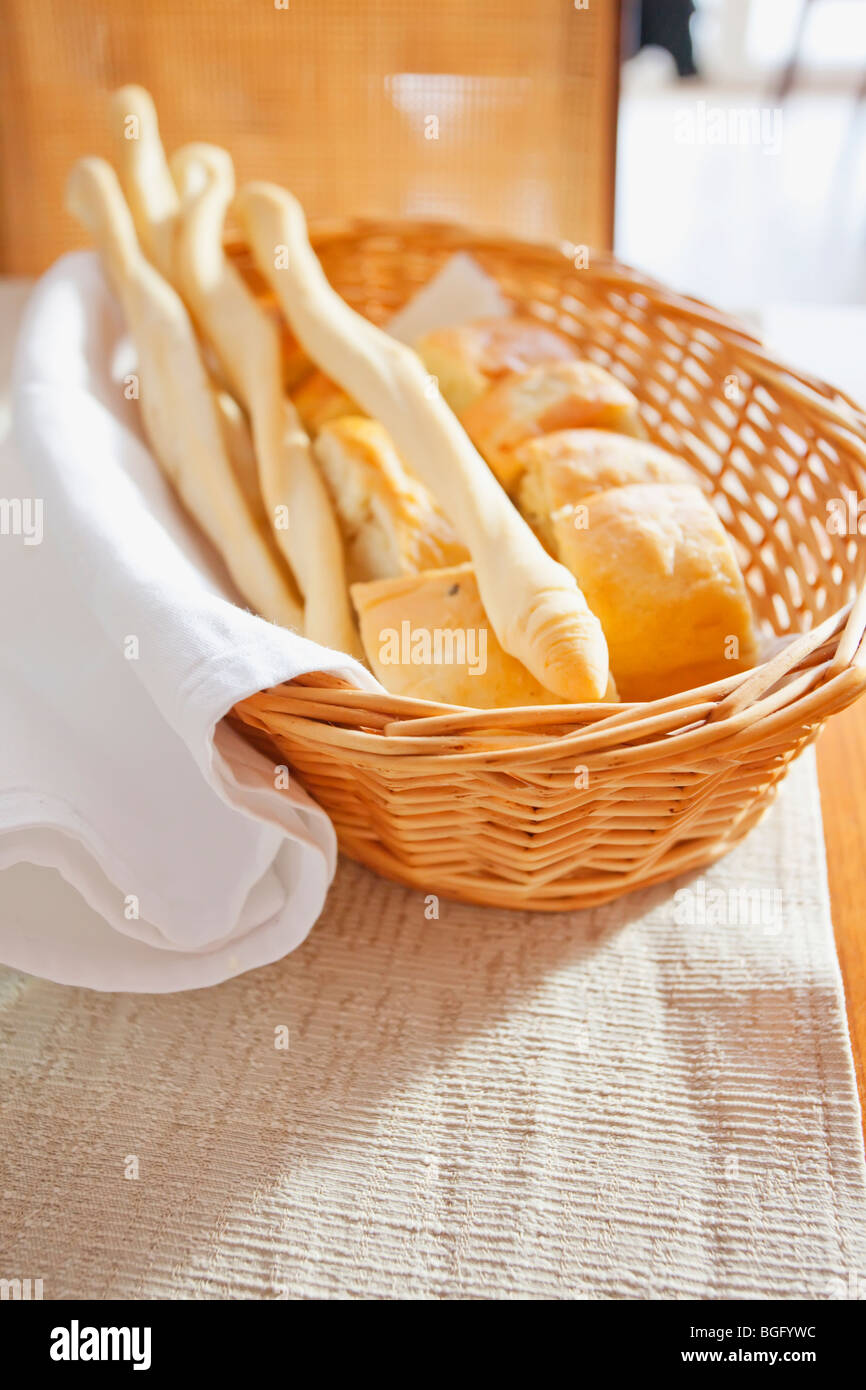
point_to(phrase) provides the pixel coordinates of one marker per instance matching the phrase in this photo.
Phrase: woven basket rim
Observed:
(819, 671)
(603, 267)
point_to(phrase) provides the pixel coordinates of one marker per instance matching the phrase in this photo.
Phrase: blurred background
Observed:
(717, 144)
(742, 148)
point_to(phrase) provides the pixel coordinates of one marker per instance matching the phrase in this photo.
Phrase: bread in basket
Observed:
(537, 804)
(557, 807)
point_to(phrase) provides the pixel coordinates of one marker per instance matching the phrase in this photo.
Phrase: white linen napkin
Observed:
(122, 646)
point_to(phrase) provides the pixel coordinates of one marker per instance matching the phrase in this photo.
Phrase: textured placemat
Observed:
(652, 1099)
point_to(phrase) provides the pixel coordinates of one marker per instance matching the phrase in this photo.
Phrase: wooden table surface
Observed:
(842, 777)
(827, 340)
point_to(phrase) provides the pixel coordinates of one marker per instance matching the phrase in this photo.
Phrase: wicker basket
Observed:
(568, 806)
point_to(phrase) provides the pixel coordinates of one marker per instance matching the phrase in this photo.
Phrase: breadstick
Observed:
(247, 343)
(239, 447)
(238, 442)
(177, 404)
(144, 175)
(535, 606)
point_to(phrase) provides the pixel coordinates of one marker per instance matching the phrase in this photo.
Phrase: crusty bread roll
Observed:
(561, 469)
(391, 523)
(553, 396)
(535, 607)
(658, 568)
(318, 400)
(427, 635)
(467, 359)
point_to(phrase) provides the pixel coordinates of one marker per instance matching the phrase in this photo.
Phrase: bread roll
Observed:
(391, 524)
(561, 469)
(658, 569)
(555, 396)
(427, 635)
(467, 359)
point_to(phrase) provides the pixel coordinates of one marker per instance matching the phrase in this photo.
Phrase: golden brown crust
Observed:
(659, 570)
(468, 358)
(562, 469)
(547, 398)
(391, 524)
(416, 628)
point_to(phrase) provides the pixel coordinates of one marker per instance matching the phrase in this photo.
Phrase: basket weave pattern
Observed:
(568, 806)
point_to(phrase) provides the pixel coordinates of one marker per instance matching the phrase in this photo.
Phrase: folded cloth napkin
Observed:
(122, 647)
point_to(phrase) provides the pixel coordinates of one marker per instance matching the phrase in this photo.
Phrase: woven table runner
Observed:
(653, 1099)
